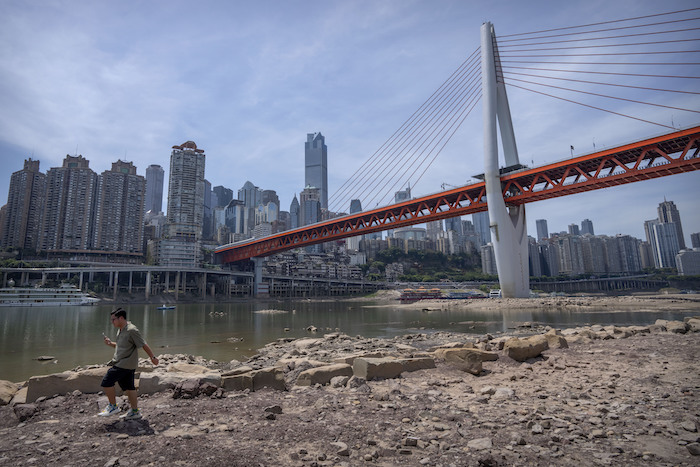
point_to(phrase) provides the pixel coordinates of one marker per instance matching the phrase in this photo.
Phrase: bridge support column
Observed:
(507, 224)
(147, 291)
(258, 287)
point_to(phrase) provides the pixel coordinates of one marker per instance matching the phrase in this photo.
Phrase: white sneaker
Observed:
(132, 414)
(109, 410)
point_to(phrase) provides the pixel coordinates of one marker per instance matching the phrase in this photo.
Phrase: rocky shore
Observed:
(587, 396)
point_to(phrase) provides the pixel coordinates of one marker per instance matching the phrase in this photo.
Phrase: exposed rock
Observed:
(7, 391)
(524, 349)
(86, 381)
(323, 374)
(377, 368)
(24, 411)
(271, 377)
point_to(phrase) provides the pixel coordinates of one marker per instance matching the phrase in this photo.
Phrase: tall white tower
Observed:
(507, 223)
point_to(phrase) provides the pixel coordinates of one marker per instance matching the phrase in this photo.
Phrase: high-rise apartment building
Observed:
(316, 166)
(668, 213)
(71, 190)
(223, 195)
(402, 195)
(251, 196)
(574, 230)
(185, 218)
(695, 239)
(355, 206)
(186, 192)
(434, 230)
(25, 205)
(542, 231)
(154, 188)
(587, 227)
(120, 209)
(482, 226)
(309, 206)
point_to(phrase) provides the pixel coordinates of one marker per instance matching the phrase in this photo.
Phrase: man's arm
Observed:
(151, 355)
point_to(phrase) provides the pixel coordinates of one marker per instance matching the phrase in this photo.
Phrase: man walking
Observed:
(124, 364)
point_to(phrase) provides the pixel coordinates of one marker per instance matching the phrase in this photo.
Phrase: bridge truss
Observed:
(669, 154)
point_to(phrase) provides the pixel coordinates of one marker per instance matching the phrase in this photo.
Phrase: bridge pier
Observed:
(257, 277)
(507, 224)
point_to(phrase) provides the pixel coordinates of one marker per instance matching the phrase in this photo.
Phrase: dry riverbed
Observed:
(610, 398)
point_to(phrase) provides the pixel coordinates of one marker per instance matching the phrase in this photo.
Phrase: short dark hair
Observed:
(119, 312)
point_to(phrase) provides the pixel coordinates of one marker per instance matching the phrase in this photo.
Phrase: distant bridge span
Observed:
(669, 154)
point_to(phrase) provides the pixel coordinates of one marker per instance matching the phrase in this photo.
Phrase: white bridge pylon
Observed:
(507, 224)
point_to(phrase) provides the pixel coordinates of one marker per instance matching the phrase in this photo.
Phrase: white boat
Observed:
(66, 295)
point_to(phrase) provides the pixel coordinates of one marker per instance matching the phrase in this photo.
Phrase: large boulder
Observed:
(417, 363)
(8, 390)
(466, 359)
(524, 349)
(693, 324)
(85, 381)
(238, 382)
(323, 374)
(555, 340)
(271, 377)
(377, 368)
(158, 381)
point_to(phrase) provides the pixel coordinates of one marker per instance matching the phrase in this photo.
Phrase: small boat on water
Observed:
(166, 307)
(66, 295)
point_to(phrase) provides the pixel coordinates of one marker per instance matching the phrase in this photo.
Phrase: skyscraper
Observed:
(120, 209)
(587, 227)
(186, 192)
(316, 165)
(294, 213)
(185, 219)
(481, 226)
(574, 230)
(309, 206)
(154, 188)
(695, 239)
(542, 231)
(355, 206)
(25, 204)
(402, 195)
(668, 213)
(223, 195)
(68, 218)
(251, 196)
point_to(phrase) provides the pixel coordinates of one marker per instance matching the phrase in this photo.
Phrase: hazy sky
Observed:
(248, 80)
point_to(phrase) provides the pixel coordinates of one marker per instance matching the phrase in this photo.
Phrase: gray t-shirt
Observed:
(126, 354)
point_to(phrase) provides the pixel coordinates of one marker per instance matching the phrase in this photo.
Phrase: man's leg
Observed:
(133, 398)
(111, 394)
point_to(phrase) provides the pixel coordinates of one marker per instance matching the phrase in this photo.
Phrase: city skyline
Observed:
(250, 96)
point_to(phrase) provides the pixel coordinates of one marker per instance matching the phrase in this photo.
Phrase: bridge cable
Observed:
(602, 72)
(599, 83)
(407, 124)
(431, 145)
(428, 109)
(446, 108)
(599, 24)
(592, 107)
(603, 95)
(409, 121)
(645, 34)
(395, 154)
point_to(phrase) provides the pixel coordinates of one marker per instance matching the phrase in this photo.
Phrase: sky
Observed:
(246, 81)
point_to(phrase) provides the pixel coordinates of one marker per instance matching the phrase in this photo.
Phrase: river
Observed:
(223, 332)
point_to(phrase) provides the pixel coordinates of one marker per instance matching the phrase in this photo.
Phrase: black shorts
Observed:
(124, 377)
